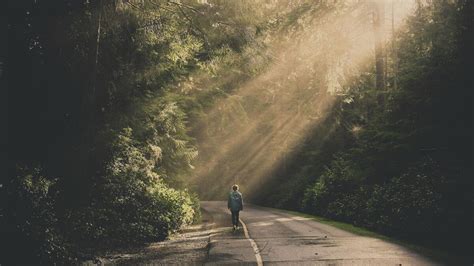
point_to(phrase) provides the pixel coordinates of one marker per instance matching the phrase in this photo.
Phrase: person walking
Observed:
(235, 204)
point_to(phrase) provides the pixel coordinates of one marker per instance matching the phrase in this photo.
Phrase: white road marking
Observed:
(253, 244)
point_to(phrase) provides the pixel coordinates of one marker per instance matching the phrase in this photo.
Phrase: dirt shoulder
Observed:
(190, 246)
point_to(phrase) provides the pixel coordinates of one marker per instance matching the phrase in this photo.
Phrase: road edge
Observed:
(439, 256)
(254, 245)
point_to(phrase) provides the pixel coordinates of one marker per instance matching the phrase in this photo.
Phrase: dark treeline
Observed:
(97, 141)
(109, 103)
(326, 128)
(397, 161)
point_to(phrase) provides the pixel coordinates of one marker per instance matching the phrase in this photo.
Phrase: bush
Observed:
(131, 204)
(410, 204)
(338, 193)
(30, 220)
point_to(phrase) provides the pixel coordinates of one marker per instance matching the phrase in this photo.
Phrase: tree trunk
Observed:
(394, 52)
(378, 22)
(96, 53)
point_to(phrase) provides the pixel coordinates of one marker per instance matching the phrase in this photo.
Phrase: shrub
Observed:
(338, 193)
(410, 204)
(131, 204)
(30, 220)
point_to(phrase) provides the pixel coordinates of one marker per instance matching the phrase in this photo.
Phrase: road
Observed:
(273, 237)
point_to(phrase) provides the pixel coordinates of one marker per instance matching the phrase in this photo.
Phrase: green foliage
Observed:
(406, 205)
(163, 128)
(153, 209)
(401, 167)
(31, 208)
(115, 130)
(409, 204)
(337, 193)
(110, 113)
(113, 68)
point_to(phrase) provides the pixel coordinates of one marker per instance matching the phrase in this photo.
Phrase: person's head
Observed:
(235, 187)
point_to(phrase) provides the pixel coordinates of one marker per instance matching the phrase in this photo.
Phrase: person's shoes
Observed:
(234, 227)
(237, 227)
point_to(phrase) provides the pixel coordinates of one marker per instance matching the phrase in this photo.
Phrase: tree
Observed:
(378, 16)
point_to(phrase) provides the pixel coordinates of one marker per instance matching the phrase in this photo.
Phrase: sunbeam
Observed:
(243, 143)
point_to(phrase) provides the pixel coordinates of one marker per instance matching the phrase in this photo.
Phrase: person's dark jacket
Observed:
(235, 201)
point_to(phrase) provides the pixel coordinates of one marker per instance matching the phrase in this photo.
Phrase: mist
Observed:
(308, 64)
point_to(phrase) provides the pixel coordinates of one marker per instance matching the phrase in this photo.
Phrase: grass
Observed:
(340, 225)
(439, 256)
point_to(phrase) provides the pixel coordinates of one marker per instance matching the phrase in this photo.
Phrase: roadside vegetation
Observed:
(397, 161)
(435, 253)
(98, 143)
(123, 114)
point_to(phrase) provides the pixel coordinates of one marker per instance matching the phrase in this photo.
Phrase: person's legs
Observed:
(237, 218)
(234, 218)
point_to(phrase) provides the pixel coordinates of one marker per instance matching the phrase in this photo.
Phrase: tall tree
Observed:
(394, 53)
(378, 23)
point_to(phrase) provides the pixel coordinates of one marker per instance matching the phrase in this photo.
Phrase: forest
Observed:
(121, 115)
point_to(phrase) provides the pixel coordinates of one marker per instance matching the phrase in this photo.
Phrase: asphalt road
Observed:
(274, 237)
